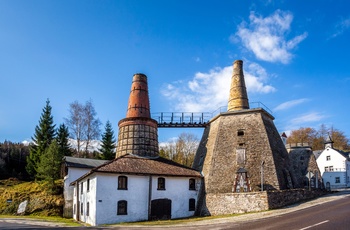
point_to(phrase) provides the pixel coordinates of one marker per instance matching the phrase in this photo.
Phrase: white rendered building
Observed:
(133, 188)
(334, 166)
(72, 169)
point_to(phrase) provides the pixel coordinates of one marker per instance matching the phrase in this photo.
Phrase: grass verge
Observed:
(56, 219)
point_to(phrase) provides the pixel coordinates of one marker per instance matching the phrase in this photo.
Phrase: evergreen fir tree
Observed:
(43, 136)
(49, 165)
(108, 143)
(63, 141)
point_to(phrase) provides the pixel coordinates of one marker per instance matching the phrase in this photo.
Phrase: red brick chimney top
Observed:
(138, 105)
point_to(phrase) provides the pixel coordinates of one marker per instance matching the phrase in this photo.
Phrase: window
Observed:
(87, 208)
(331, 168)
(191, 204)
(337, 180)
(81, 187)
(122, 207)
(326, 169)
(122, 183)
(328, 158)
(192, 184)
(81, 209)
(88, 185)
(161, 183)
(240, 133)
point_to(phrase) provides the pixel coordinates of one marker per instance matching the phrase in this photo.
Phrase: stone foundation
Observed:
(231, 203)
(68, 209)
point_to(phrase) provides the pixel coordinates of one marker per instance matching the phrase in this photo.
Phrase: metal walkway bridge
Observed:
(195, 119)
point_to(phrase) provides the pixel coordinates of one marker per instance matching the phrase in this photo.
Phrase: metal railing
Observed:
(182, 119)
(335, 170)
(194, 119)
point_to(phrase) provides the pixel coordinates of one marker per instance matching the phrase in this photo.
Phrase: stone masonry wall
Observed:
(217, 157)
(284, 171)
(232, 203)
(139, 138)
(304, 161)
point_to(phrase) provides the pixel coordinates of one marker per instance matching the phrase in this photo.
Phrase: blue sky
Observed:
(295, 53)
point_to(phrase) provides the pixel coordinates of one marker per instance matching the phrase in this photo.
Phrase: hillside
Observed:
(40, 200)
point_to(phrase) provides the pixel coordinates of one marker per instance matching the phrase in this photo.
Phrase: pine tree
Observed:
(63, 141)
(44, 134)
(108, 143)
(49, 166)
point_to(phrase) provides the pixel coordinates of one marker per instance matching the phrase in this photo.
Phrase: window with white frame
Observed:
(337, 180)
(328, 158)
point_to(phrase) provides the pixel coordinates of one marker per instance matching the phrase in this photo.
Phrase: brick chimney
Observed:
(138, 132)
(238, 99)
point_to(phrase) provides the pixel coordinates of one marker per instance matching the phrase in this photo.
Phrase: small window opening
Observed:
(161, 183)
(87, 209)
(191, 204)
(337, 180)
(192, 184)
(240, 133)
(122, 183)
(122, 207)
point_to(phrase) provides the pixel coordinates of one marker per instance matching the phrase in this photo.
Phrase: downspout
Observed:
(77, 214)
(149, 197)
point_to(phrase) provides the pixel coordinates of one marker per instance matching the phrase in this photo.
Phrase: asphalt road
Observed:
(314, 215)
(333, 215)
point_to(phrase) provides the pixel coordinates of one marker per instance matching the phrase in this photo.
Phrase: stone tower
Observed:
(241, 149)
(238, 93)
(138, 132)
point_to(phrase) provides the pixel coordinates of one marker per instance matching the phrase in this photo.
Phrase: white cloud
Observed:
(197, 59)
(266, 37)
(306, 118)
(290, 104)
(208, 91)
(341, 27)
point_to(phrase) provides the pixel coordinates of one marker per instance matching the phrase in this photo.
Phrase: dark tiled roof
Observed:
(317, 153)
(132, 164)
(344, 154)
(82, 162)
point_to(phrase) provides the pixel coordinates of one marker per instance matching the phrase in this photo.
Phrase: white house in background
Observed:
(334, 167)
(133, 188)
(72, 169)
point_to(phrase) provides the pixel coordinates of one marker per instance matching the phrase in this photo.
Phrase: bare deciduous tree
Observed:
(182, 150)
(92, 124)
(83, 124)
